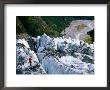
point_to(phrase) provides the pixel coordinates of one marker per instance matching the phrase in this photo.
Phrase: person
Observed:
(30, 60)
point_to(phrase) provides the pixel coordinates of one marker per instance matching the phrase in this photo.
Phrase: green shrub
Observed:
(88, 39)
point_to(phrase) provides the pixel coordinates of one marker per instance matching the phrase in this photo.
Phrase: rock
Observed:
(78, 29)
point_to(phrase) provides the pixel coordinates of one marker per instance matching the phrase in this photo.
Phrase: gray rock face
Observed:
(78, 29)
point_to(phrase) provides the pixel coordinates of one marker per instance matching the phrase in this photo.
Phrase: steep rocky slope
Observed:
(78, 29)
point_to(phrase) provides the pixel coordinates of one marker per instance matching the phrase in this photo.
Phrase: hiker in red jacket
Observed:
(30, 60)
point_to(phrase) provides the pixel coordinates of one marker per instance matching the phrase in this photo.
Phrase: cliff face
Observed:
(78, 29)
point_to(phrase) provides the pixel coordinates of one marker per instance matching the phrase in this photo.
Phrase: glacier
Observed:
(55, 56)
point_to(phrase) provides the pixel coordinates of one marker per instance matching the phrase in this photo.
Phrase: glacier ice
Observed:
(23, 54)
(55, 56)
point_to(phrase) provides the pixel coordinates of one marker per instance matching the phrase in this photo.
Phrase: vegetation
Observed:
(51, 25)
(88, 39)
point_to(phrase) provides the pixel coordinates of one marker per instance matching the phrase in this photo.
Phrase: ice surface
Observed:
(23, 54)
(55, 56)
